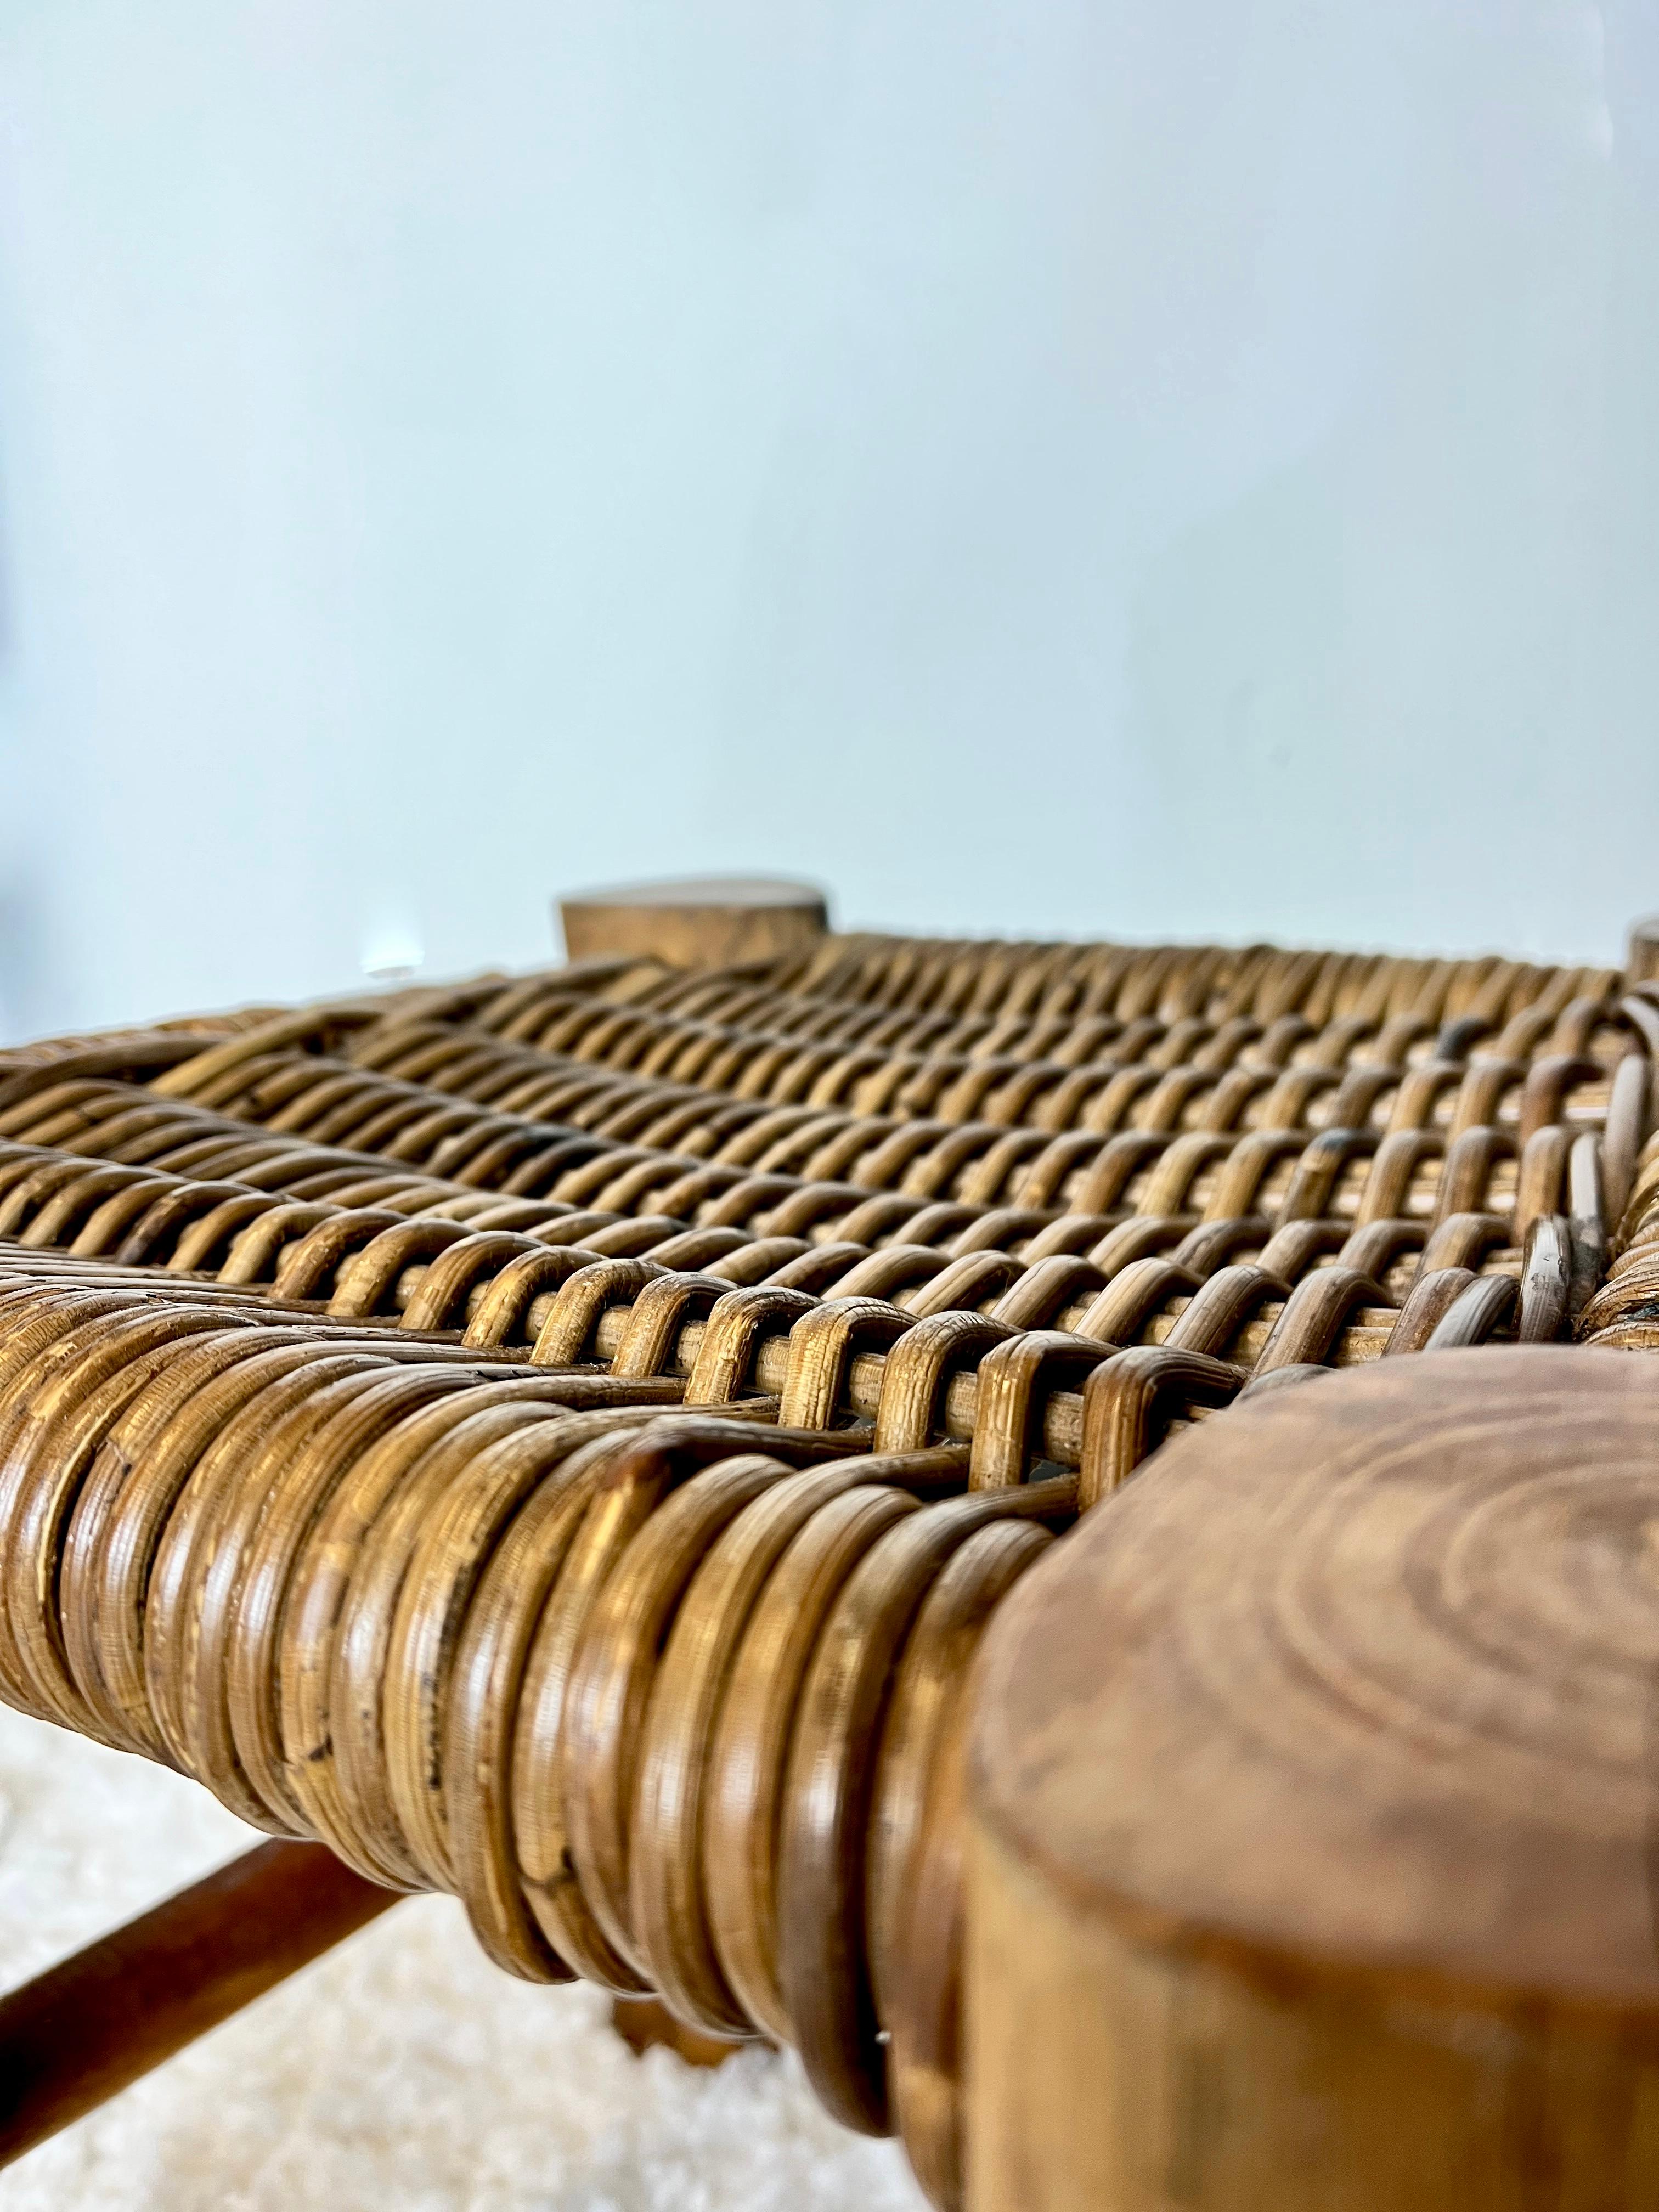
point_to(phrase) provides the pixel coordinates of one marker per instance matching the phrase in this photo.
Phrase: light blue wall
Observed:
(1161, 466)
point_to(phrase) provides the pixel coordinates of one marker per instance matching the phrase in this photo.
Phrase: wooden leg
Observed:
(1642, 960)
(703, 922)
(1311, 1841)
(92, 2024)
(642, 2022)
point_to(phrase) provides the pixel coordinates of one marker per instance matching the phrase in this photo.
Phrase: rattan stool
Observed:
(637, 1446)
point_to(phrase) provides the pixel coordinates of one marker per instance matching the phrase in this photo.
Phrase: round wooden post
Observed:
(709, 922)
(1642, 959)
(1312, 1813)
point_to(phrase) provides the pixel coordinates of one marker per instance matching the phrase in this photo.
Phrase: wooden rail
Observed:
(89, 2026)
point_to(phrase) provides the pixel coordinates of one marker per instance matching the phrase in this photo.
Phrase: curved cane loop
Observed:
(1010, 1377)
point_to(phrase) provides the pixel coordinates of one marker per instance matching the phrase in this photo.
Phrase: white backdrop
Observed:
(1155, 466)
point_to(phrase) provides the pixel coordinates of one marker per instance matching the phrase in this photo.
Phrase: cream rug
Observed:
(401, 2072)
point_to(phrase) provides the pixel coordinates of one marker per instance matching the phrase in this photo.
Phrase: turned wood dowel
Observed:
(646, 2023)
(1311, 1790)
(703, 921)
(1642, 960)
(96, 2021)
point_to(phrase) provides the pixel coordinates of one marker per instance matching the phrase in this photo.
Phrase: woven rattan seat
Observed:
(562, 1440)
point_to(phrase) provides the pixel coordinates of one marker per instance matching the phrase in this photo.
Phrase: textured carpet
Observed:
(403, 2071)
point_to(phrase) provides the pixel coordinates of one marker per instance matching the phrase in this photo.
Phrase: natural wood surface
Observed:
(702, 921)
(82, 2032)
(1312, 1795)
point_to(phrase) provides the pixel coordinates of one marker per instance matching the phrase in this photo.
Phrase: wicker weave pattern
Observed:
(337, 1346)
